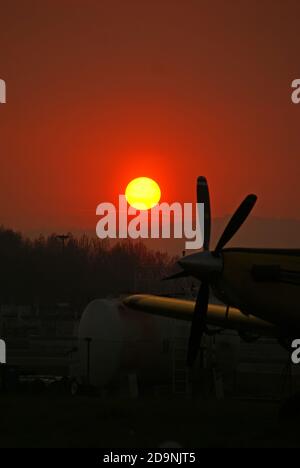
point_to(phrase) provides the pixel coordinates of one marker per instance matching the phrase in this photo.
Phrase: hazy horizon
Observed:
(256, 232)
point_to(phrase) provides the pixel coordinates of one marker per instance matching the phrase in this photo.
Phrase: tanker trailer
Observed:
(115, 342)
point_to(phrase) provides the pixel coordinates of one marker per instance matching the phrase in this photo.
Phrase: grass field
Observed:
(52, 421)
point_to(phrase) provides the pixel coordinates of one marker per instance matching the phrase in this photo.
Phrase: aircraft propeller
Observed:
(207, 265)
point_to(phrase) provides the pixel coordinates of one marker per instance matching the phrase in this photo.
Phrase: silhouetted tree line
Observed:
(46, 272)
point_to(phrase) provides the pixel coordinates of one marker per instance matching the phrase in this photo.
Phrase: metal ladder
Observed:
(180, 372)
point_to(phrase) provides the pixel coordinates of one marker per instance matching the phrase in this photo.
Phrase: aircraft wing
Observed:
(218, 315)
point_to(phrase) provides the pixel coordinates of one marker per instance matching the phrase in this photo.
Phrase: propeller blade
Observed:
(198, 323)
(203, 197)
(179, 274)
(236, 221)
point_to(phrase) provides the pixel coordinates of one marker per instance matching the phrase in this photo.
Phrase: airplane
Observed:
(258, 287)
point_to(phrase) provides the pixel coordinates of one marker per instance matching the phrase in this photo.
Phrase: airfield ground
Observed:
(55, 421)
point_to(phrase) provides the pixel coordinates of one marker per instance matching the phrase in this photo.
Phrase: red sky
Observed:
(100, 92)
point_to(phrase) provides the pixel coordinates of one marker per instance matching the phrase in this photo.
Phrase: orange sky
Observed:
(100, 92)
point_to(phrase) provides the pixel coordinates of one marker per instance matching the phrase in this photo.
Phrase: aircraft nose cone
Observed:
(202, 265)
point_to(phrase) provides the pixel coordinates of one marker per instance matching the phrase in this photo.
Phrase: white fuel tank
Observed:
(114, 339)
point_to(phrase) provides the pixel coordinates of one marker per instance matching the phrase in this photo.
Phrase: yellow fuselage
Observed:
(272, 297)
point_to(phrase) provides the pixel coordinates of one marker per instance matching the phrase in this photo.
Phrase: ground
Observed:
(54, 421)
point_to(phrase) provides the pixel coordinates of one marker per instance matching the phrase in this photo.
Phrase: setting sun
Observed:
(142, 193)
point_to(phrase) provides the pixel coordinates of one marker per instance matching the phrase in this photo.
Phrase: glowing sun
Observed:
(142, 193)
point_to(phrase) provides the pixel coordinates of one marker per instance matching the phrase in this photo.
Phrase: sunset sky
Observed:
(101, 92)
